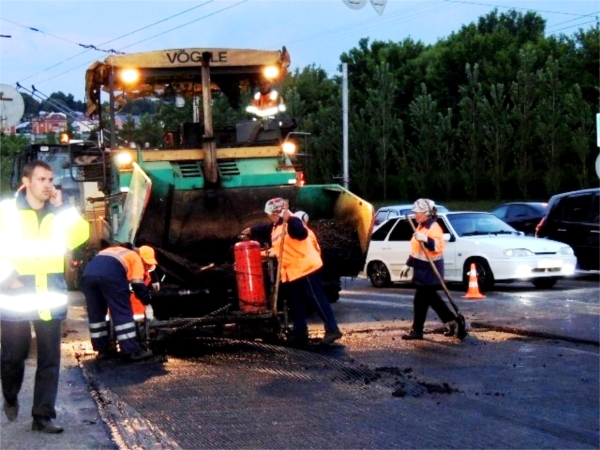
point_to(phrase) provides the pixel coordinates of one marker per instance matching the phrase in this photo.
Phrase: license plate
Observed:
(549, 264)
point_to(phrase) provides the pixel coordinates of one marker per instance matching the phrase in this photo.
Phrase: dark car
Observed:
(522, 216)
(573, 218)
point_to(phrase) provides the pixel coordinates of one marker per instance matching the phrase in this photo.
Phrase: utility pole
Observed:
(345, 176)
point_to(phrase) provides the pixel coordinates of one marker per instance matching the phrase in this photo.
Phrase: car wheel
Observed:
(544, 283)
(485, 277)
(378, 274)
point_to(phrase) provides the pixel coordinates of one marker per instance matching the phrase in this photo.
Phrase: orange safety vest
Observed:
(434, 232)
(300, 258)
(264, 101)
(139, 309)
(131, 261)
(313, 239)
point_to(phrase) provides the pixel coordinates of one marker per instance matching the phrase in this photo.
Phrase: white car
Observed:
(389, 212)
(500, 253)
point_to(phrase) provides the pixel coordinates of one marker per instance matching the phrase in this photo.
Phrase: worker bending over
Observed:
(106, 283)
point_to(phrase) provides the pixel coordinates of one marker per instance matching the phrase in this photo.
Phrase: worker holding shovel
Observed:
(427, 261)
(300, 263)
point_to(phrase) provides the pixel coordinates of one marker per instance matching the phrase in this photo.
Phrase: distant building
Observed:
(83, 126)
(54, 122)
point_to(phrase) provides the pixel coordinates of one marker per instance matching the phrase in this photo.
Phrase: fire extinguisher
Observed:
(249, 277)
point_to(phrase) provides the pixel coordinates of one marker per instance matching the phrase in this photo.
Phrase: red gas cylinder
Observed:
(249, 277)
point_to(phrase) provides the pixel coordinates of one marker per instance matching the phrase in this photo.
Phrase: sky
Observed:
(43, 42)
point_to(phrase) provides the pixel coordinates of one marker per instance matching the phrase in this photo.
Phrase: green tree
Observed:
(150, 131)
(360, 146)
(128, 129)
(421, 150)
(383, 119)
(580, 118)
(445, 156)
(470, 121)
(524, 94)
(496, 130)
(551, 128)
(9, 147)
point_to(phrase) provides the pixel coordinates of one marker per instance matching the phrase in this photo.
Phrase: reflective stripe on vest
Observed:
(32, 302)
(130, 260)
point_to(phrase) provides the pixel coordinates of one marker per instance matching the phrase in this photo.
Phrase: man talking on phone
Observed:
(36, 230)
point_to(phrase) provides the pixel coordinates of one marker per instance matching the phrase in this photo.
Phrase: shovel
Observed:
(460, 319)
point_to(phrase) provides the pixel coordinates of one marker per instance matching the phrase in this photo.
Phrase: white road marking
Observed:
(375, 302)
(374, 294)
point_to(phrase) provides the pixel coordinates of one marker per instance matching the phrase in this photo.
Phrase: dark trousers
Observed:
(309, 289)
(426, 296)
(15, 338)
(102, 295)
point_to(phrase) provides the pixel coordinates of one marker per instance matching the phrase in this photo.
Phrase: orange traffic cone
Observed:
(473, 291)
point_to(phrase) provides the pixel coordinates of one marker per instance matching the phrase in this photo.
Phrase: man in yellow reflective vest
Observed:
(36, 230)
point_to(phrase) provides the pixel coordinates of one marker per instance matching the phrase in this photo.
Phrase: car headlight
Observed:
(566, 251)
(516, 252)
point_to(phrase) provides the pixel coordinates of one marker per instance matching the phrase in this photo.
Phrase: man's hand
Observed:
(156, 287)
(421, 237)
(286, 214)
(56, 197)
(404, 271)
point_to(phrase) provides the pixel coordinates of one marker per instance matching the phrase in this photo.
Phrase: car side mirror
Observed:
(447, 237)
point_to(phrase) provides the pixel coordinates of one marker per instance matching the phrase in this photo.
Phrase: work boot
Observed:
(331, 336)
(140, 355)
(108, 354)
(45, 425)
(461, 329)
(412, 334)
(11, 410)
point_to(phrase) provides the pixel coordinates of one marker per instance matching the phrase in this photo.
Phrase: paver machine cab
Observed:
(192, 195)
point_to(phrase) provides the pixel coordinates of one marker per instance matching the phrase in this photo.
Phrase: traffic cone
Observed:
(473, 291)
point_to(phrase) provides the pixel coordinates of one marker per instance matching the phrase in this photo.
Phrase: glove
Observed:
(404, 271)
(421, 237)
(156, 286)
(149, 312)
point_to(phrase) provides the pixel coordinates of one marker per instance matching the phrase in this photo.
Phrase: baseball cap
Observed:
(302, 216)
(147, 254)
(423, 205)
(275, 206)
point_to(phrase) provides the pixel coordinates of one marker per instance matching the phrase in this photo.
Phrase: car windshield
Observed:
(477, 224)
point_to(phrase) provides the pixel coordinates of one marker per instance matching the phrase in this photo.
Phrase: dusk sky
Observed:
(54, 58)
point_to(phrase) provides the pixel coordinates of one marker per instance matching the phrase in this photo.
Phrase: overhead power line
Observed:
(516, 8)
(152, 37)
(58, 37)
(115, 39)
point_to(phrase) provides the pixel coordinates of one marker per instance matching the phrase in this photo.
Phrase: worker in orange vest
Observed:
(299, 265)
(106, 283)
(266, 102)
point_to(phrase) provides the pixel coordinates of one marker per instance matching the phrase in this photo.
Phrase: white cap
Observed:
(275, 206)
(424, 205)
(302, 216)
